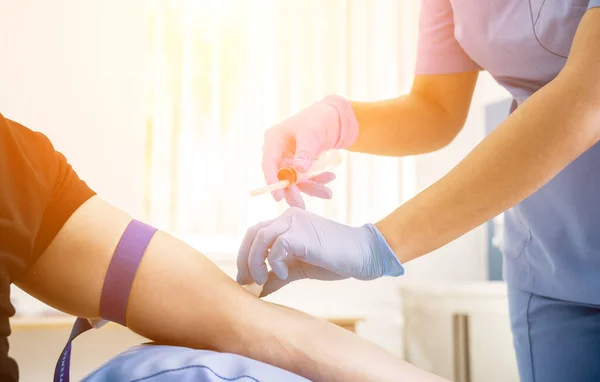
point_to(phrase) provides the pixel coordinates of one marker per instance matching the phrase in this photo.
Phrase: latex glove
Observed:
(300, 244)
(297, 141)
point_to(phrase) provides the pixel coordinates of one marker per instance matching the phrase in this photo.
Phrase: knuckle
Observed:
(297, 214)
(265, 242)
(254, 261)
(287, 160)
(261, 236)
(260, 232)
(303, 155)
(278, 255)
(301, 253)
(294, 211)
(269, 132)
(282, 242)
(274, 132)
(255, 229)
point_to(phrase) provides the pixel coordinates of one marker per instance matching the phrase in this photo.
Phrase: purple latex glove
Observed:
(297, 141)
(301, 245)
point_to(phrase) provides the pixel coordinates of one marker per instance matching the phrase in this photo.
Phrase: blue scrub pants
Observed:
(555, 341)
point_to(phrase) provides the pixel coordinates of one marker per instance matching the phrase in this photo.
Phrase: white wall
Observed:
(71, 69)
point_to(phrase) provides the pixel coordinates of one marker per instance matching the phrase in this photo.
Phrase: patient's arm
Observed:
(180, 298)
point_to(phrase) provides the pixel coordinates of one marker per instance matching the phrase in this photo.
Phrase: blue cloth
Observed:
(157, 363)
(552, 239)
(555, 340)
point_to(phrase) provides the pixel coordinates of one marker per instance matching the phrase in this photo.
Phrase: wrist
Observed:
(347, 122)
(397, 236)
(383, 257)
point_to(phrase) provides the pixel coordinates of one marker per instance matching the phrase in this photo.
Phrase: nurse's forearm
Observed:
(181, 298)
(425, 120)
(549, 131)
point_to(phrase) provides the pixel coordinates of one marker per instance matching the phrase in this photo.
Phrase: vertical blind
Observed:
(223, 71)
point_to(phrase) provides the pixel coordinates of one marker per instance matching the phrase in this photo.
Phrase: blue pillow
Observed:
(158, 363)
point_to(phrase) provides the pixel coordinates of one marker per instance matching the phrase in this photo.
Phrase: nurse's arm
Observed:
(181, 298)
(550, 130)
(425, 120)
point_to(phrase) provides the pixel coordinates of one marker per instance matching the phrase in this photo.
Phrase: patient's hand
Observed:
(181, 298)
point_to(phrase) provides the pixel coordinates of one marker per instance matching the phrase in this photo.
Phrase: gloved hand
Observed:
(325, 125)
(300, 244)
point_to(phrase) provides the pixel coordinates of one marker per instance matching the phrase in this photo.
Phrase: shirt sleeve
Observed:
(438, 51)
(38, 193)
(594, 4)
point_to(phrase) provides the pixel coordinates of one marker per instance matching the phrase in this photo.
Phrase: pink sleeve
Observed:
(438, 52)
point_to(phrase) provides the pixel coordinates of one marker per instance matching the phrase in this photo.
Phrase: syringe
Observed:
(289, 175)
(270, 188)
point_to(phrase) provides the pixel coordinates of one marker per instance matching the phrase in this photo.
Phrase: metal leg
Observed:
(460, 334)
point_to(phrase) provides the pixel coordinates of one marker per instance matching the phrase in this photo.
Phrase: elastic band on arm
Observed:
(117, 287)
(122, 269)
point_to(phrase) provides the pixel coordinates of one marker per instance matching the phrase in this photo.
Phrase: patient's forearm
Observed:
(321, 351)
(181, 298)
(196, 305)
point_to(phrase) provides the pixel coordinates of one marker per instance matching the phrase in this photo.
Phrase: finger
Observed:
(274, 283)
(243, 274)
(317, 190)
(323, 178)
(273, 153)
(298, 270)
(293, 197)
(277, 255)
(306, 151)
(260, 248)
(287, 160)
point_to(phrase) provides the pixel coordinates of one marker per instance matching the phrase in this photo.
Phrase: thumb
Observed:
(298, 270)
(306, 151)
(294, 271)
(274, 283)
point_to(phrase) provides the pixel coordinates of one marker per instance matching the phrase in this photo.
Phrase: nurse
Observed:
(542, 164)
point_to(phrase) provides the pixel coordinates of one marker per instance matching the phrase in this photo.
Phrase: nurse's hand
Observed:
(302, 245)
(325, 125)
